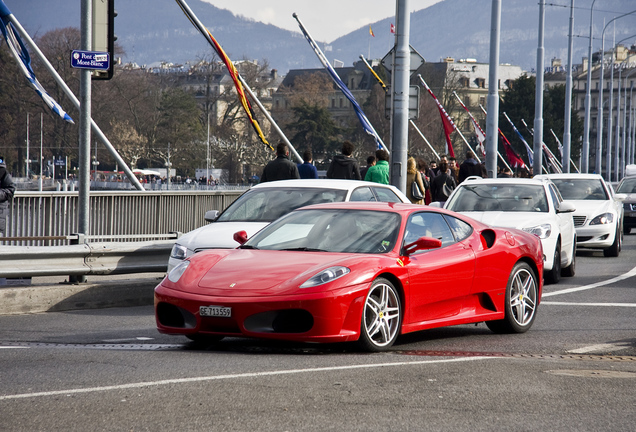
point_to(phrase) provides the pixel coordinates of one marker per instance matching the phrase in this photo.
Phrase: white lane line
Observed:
(127, 339)
(627, 275)
(232, 376)
(588, 304)
(12, 347)
(602, 347)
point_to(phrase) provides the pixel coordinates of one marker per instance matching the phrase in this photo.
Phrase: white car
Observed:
(598, 218)
(268, 201)
(534, 206)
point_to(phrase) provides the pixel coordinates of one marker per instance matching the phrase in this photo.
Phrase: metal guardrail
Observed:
(85, 259)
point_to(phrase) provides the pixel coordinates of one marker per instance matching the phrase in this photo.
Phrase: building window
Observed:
(482, 100)
(340, 102)
(464, 82)
(481, 82)
(333, 103)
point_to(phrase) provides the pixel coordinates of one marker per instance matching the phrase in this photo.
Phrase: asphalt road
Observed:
(109, 369)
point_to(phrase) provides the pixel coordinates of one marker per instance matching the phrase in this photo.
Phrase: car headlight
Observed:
(176, 273)
(179, 252)
(542, 231)
(325, 276)
(603, 219)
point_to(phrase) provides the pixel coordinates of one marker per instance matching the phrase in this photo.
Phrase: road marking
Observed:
(627, 275)
(588, 304)
(232, 376)
(127, 339)
(12, 347)
(618, 346)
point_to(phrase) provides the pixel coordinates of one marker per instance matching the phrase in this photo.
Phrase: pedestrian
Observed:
(414, 176)
(344, 165)
(453, 168)
(470, 167)
(307, 170)
(280, 168)
(423, 169)
(7, 189)
(379, 173)
(370, 162)
(443, 184)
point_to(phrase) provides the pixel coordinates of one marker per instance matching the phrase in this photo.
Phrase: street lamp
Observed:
(588, 98)
(599, 129)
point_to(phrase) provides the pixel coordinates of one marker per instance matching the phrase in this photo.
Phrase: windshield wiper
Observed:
(304, 249)
(246, 246)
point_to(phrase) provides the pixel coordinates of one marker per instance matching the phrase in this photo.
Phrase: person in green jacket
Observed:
(379, 173)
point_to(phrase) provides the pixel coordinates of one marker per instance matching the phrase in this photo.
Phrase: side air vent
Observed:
(488, 238)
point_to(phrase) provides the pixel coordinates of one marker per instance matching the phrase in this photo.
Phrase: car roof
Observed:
(323, 183)
(506, 180)
(570, 176)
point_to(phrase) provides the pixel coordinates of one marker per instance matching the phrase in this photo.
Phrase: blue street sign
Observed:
(90, 60)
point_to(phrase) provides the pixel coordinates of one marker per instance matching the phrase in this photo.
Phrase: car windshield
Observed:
(581, 189)
(499, 197)
(268, 204)
(330, 230)
(628, 186)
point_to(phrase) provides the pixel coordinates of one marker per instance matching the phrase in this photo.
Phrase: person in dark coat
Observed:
(7, 189)
(307, 170)
(280, 168)
(438, 191)
(470, 167)
(371, 160)
(344, 166)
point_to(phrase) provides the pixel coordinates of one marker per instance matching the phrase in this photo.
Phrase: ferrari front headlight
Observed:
(176, 273)
(542, 231)
(603, 219)
(325, 276)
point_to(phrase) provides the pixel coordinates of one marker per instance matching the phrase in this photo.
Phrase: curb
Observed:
(64, 296)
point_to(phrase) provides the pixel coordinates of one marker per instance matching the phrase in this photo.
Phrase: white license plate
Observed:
(215, 311)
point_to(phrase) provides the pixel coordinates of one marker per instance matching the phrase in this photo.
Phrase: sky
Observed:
(325, 20)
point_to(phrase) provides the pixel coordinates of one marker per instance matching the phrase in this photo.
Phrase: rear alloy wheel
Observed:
(615, 249)
(381, 317)
(521, 301)
(554, 275)
(570, 270)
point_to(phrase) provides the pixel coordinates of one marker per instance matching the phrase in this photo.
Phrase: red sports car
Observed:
(353, 271)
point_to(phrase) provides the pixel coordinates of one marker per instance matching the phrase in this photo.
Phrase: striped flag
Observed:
(513, 157)
(366, 125)
(19, 51)
(479, 132)
(449, 125)
(371, 31)
(525, 143)
(232, 70)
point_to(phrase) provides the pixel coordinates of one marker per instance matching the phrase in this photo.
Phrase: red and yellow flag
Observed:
(371, 31)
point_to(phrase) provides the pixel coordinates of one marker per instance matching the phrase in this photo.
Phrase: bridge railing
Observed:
(117, 216)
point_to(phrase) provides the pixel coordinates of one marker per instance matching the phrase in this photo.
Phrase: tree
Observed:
(315, 129)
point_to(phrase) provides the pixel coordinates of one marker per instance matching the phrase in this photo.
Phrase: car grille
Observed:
(579, 220)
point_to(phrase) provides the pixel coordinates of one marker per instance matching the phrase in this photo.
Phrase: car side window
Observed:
(386, 195)
(461, 230)
(555, 196)
(362, 194)
(428, 224)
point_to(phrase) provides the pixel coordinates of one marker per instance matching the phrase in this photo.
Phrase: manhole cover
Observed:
(592, 373)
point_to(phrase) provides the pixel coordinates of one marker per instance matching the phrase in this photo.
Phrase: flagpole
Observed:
(503, 137)
(69, 93)
(455, 128)
(560, 145)
(384, 87)
(477, 125)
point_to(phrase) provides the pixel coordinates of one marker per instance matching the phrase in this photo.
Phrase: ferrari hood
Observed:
(245, 272)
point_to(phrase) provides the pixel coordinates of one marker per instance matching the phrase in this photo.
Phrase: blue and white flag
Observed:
(19, 51)
(528, 149)
(366, 125)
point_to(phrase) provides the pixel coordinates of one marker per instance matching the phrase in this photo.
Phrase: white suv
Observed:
(532, 205)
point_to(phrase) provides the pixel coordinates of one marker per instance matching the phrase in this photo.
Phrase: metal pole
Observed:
(41, 155)
(585, 156)
(623, 149)
(85, 123)
(537, 138)
(28, 161)
(618, 126)
(568, 97)
(400, 96)
(492, 121)
(207, 159)
(610, 109)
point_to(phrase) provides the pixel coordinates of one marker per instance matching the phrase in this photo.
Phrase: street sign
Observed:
(95, 60)
(416, 60)
(414, 103)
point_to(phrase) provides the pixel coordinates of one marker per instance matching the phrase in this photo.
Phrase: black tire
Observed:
(554, 275)
(522, 295)
(570, 270)
(615, 249)
(381, 317)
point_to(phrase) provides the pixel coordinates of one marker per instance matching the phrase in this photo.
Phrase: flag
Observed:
(514, 159)
(233, 73)
(371, 31)
(525, 143)
(366, 125)
(479, 132)
(392, 28)
(19, 51)
(447, 122)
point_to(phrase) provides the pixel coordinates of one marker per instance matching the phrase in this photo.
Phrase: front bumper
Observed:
(330, 316)
(596, 236)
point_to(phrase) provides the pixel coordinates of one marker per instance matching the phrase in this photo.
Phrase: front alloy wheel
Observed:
(381, 317)
(521, 301)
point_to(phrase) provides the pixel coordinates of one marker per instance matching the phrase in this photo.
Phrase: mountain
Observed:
(156, 30)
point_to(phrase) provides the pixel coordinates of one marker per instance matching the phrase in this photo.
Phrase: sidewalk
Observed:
(54, 293)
